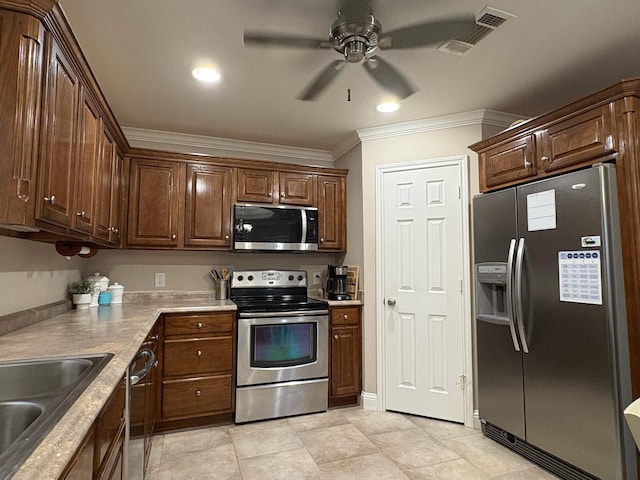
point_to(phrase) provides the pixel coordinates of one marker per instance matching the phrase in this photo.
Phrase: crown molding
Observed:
(455, 120)
(224, 147)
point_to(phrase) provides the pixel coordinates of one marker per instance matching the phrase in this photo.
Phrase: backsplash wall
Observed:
(32, 274)
(189, 270)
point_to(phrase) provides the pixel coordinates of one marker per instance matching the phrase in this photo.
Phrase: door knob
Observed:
(391, 302)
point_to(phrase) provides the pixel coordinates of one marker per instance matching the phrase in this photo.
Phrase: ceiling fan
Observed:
(357, 35)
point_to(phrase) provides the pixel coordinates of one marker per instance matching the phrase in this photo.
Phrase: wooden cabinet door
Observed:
(85, 192)
(332, 213)
(297, 188)
(21, 53)
(154, 203)
(57, 152)
(81, 466)
(108, 190)
(208, 206)
(583, 138)
(508, 163)
(345, 378)
(256, 185)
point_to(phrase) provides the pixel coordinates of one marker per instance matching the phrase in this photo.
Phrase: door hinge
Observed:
(459, 191)
(462, 382)
(460, 286)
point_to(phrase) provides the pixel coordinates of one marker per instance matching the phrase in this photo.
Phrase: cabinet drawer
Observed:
(196, 396)
(198, 324)
(197, 356)
(345, 316)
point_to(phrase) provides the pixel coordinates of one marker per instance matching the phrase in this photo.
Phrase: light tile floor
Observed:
(341, 444)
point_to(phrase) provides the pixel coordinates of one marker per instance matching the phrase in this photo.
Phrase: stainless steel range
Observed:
(282, 366)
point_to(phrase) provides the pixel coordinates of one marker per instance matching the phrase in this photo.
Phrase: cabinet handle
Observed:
(80, 214)
(51, 200)
(544, 158)
(322, 240)
(335, 337)
(174, 236)
(527, 164)
(270, 194)
(282, 195)
(198, 393)
(199, 325)
(154, 337)
(199, 353)
(346, 317)
(226, 237)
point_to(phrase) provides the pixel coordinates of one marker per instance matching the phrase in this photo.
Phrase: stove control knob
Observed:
(290, 278)
(240, 278)
(250, 277)
(300, 278)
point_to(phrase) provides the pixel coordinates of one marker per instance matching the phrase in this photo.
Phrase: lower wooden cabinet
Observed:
(197, 369)
(100, 455)
(345, 368)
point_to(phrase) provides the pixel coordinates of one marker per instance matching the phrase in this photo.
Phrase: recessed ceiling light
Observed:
(206, 74)
(388, 107)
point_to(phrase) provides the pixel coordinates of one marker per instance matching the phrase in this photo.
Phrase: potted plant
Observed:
(81, 292)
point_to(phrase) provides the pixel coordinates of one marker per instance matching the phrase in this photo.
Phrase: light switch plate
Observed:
(160, 280)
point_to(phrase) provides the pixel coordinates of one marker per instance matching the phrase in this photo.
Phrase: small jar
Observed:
(117, 291)
(104, 298)
(100, 280)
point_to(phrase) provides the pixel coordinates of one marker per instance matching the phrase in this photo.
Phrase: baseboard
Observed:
(476, 420)
(369, 401)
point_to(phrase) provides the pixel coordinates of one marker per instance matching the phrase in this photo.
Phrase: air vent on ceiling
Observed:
(486, 21)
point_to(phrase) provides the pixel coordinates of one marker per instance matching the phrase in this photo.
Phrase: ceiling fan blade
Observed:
(257, 39)
(388, 77)
(323, 80)
(428, 33)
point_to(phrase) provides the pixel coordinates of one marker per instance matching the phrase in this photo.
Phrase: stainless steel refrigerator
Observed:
(552, 350)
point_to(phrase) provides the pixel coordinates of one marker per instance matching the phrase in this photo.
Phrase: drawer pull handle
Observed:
(335, 337)
(199, 325)
(50, 200)
(199, 353)
(198, 393)
(544, 158)
(527, 164)
(346, 317)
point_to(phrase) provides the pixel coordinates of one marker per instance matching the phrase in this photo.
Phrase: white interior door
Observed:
(422, 262)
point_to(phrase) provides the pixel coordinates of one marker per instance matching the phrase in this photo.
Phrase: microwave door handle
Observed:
(303, 215)
(510, 311)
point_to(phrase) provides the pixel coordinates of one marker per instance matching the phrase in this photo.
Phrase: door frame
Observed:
(462, 162)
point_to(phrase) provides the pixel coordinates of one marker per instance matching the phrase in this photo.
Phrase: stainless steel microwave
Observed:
(275, 228)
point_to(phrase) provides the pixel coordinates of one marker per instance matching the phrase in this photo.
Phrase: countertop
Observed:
(117, 329)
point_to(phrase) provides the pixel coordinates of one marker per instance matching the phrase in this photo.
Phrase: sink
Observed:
(40, 378)
(34, 395)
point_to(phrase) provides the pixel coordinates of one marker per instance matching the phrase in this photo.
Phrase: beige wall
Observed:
(33, 274)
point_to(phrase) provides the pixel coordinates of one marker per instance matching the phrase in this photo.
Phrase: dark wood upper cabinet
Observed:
(154, 203)
(297, 188)
(208, 206)
(332, 213)
(256, 185)
(21, 56)
(84, 194)
(58, 146)
(109, 191)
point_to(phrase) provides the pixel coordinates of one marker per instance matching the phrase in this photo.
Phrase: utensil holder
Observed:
(221, 289)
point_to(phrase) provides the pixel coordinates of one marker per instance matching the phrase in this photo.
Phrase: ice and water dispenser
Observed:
(491, 291)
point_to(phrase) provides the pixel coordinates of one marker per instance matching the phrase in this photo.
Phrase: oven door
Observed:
(282, 347)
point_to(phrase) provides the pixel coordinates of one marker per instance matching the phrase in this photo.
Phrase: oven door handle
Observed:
(292, 313)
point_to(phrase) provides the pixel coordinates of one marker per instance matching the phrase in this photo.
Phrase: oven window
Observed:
(283, 345)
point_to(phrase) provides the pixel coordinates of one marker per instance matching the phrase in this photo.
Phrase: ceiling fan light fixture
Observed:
(388, 107)
(206, 74)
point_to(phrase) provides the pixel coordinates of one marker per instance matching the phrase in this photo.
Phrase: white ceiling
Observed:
(142, 53)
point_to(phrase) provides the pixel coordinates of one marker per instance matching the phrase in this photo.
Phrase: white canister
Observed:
(117, 291)
(100, 280)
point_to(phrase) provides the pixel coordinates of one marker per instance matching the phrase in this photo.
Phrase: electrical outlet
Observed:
(160, 280)
(317, 278)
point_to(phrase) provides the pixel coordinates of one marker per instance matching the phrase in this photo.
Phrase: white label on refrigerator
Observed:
(541, 211)
(580, 279)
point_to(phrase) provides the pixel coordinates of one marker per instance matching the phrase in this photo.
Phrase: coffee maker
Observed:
(337, 282)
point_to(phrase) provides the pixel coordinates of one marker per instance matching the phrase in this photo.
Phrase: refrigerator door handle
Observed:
(518, 295)
(510, 312)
